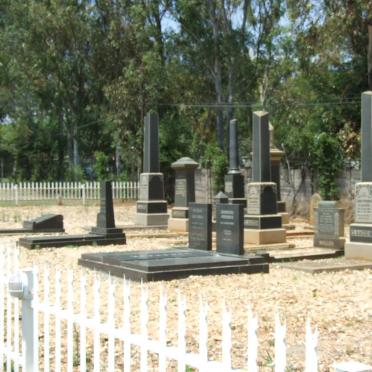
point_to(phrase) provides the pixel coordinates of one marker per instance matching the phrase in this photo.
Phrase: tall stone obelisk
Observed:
(263, 225)
(234, 180)
(360, 245)
(151, 206)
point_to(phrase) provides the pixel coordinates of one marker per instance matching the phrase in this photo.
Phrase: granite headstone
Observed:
(200, 226)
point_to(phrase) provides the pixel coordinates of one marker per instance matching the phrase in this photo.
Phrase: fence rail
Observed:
(69, 328)
(28, 191)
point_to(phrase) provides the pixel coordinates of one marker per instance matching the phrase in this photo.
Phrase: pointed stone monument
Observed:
(234, 180)
(151, 206)
(263, 224)
(360, 245)
(105, 218)
(184, 193)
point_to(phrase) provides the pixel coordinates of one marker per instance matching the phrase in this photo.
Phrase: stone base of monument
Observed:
(285, 217)
(358, 250)
(172, 263)
(178, 224)
(44, 224)
(266, 236)
(336, 243)
(152, 219)
(72, 240)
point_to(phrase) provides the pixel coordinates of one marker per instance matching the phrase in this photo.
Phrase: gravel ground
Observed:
(338, 303)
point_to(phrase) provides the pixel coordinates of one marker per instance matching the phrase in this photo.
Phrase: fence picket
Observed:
(57, 305)
(83, 315)
(144, 317)
(280, 346)
(117, 333)
(46, 320)
(70, 340)
(126, 324)
(96, 333)
(252, 341)
(181, 332)
(162, 329)
(111, 326)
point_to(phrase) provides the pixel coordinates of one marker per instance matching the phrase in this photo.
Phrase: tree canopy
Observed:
(77, 78)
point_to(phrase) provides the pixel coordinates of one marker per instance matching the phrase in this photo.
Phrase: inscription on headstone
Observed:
(229, 228)
(200, 226)
(180, 191)
(363, 202)
(326, 221)
(253, 199)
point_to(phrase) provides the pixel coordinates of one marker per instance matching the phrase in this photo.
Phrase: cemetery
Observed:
(186, 186)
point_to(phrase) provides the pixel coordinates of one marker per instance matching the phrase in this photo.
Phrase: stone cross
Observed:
(261, 147)
(233, 147)
(151, 144)
(366, 136)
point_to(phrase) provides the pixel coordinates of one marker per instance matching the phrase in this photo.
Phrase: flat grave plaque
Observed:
(171, 263)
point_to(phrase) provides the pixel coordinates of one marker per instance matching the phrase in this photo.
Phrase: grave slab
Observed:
(172, 263)
(314, 267)
(44, 224)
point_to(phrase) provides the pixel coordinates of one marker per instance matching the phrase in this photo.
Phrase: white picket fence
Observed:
(66, 329)
(27, 191)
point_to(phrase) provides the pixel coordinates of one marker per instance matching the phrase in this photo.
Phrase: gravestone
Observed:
(360, 245)
(151, 206)
(276, 156)
(234, 180)
(200, 226)
(184, 193)
(263, 225)
(230, 228)
(103, 234)
(329, 226)
(43, 224)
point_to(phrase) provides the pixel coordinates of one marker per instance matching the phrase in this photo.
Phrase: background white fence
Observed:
(27, 191)
(65, 327)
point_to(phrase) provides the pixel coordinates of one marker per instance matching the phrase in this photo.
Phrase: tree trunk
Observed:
(370, 54)
(217, 76)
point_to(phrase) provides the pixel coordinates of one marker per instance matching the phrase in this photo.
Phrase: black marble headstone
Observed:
(261, 147)
(200, 226)
(151, 144)
(229, 228)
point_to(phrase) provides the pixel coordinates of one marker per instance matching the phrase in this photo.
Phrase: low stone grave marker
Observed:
(104, 233)
(47, 223)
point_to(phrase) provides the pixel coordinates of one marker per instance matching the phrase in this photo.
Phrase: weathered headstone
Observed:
(329, 226)
(229, 228)
(275, 159)
(151, 206)
(360, 245)
(262, 223)
(200, 226)
(234, 180)
(103, 234)
(184, 193)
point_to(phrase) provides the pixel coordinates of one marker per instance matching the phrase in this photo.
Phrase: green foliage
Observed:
(329, 162)
(215, 159)
(77, 78)
(101, 166)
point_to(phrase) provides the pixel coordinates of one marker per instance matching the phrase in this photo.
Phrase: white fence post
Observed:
(22, 285)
